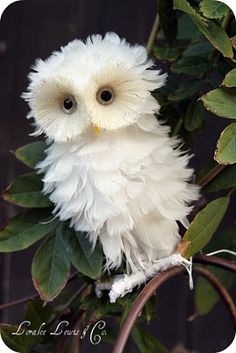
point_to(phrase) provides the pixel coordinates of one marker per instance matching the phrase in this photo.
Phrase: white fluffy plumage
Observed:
(111, 167)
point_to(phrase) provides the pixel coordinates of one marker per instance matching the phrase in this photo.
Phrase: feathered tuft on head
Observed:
(104, 82)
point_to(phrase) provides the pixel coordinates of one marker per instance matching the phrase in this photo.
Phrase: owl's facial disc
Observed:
(69, 105)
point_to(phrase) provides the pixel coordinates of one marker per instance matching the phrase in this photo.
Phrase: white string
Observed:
(189, 268)
(221, 251)
(51, 220)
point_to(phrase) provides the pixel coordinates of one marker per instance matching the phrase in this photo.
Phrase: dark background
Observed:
(34, 28)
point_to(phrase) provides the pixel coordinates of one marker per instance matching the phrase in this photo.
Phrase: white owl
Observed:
(111, 167)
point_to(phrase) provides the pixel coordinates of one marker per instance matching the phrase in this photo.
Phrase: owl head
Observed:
(102, 84)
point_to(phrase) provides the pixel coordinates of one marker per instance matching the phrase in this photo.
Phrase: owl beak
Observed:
(97, 130)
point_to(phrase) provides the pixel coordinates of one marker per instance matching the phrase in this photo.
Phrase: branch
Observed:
(138, 305)
(73, 298)
(66, 306)
(30, 297)
(215, 261)
(211, 175)
(224, 294)
(153, 34)
(18, 302)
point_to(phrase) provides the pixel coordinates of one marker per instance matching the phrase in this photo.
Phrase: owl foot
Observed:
(122, 286)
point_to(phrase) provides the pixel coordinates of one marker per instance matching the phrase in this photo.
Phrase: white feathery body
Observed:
(127, 186)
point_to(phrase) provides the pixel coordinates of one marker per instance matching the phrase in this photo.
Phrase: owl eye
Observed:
(69, 105)
(105, 95)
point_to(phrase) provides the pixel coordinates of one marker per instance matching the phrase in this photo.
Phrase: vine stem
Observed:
(215, 261)
(153, 35)
(150, 289)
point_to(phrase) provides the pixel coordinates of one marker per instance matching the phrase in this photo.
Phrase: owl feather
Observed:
(111, 168)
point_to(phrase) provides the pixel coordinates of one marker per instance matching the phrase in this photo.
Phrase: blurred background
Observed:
(34, 28)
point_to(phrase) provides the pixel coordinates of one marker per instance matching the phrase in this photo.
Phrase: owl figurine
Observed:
(111, 167)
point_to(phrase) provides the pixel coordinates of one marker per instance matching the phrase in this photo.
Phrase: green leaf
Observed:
(211, 30)
(166, 53)
(184, 6)
(191, 66)
(225, 180)
(25, 229)
(32, 153)
(130, 299)
(213, 9)
(50, 267)
(100, 307)
(150, 308)
(187, 30)
(216, 35)
(168, 20)
(221, 102)
(26, 191)
(79, 251)
(38, 313)
(230, 79)
(146, 342)
(185, 90)
(226, 146)
(204, 226)
(194, 116)
(198, 49)
(233, 41)
(18, 343)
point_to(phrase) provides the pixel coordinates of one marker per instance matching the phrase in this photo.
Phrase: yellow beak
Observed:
(97, 130)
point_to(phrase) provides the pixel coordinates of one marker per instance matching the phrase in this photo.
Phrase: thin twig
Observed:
(30, 297)
(211, 175)
(68, 304)
(18, 302)
(153, 35)
(73, 298)
(138, 305)
(224, 294)
(216, 261)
